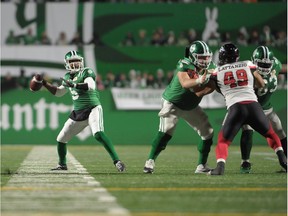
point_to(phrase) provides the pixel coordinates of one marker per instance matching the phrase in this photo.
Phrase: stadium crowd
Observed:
(133, 79)
(159, 37)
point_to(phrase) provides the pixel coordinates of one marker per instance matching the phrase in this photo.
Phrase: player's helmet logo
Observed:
(263, 58)
(200, 54)
(74, 62)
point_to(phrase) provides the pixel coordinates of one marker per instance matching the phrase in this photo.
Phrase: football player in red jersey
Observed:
(235, 80)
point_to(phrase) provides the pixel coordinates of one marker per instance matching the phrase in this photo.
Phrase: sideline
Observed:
(86, 198)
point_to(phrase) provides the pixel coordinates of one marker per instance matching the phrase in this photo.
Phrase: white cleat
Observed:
(149, 166)
(202, 168)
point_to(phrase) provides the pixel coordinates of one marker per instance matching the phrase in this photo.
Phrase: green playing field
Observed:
(92, 185)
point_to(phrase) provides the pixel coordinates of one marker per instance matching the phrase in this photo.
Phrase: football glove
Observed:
(68, 83)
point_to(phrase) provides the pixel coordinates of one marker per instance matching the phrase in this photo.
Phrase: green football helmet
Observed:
(74, 61)
(263, 58)
(200, 54)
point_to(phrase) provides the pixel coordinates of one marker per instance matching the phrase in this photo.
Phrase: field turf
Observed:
(174, 189)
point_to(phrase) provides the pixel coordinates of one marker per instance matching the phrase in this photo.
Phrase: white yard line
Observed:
(35, 190)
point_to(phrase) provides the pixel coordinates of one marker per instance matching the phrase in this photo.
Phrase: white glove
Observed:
(203, 79)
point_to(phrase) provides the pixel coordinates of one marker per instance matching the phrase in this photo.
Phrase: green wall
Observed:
(123, 127)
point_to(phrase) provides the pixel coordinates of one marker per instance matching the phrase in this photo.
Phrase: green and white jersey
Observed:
(265, 93)
(176, 94)
(82, 98)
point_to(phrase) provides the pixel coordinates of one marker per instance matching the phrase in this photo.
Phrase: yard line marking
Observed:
(35, 189)
(197, 189)
(95, 183)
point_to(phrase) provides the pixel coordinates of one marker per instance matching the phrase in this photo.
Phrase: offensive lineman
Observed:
(80, 82)
(235, 79)
(268, 67)
(180, 101)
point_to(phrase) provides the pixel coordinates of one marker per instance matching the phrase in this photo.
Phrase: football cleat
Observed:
(60, 167)
(219, 170)
(245, 167)
(149, 166)
(282, 159)
(120, 166)
(202, 168)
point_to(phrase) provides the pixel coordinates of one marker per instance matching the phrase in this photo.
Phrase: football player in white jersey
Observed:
(235, 80)
(80, 82)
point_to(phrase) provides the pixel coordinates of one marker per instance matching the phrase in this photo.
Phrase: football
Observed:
(36, 82)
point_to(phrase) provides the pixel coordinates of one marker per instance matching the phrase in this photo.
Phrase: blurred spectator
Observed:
(171, 39)
(158, 37)
(191, 35)
(29, 38)
(213, 40)
(109, 81)
(150, 81)
(182, 40)
(142, 39)
(133, 78)
(160, 79)
(95, 40)
(12, 39)
(122, 81)
(62, 39)
(128, 40)
(8, 82)
(254, 38)
(241, 39)
(169, 77)
(143, 79)
(23, 80)
(99, 82)
(77, 39)
(281, 38)
(45, 40)
(266, 37)
(225, 37)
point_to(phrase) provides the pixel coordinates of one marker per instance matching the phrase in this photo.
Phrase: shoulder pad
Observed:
(184, 64)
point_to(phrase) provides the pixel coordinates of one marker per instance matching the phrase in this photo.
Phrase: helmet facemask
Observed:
(263, 58)
(201, 61)
(264, 66)
(73, 62)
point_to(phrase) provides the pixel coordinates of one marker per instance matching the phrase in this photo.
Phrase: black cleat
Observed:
(219, 170)
(120, 165)
(282, 159)
(245, 167)
(60, 167)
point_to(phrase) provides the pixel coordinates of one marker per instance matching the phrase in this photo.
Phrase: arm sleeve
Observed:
(91, 83)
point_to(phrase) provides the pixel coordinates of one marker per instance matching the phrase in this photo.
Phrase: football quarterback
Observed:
(80, 82)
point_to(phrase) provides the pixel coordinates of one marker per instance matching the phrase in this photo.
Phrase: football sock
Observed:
(103, 139)
(222, 147)
(204, 148)
(159, 144)
(246, 144)
(284, 145)
(272, 139)
(62, 152)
